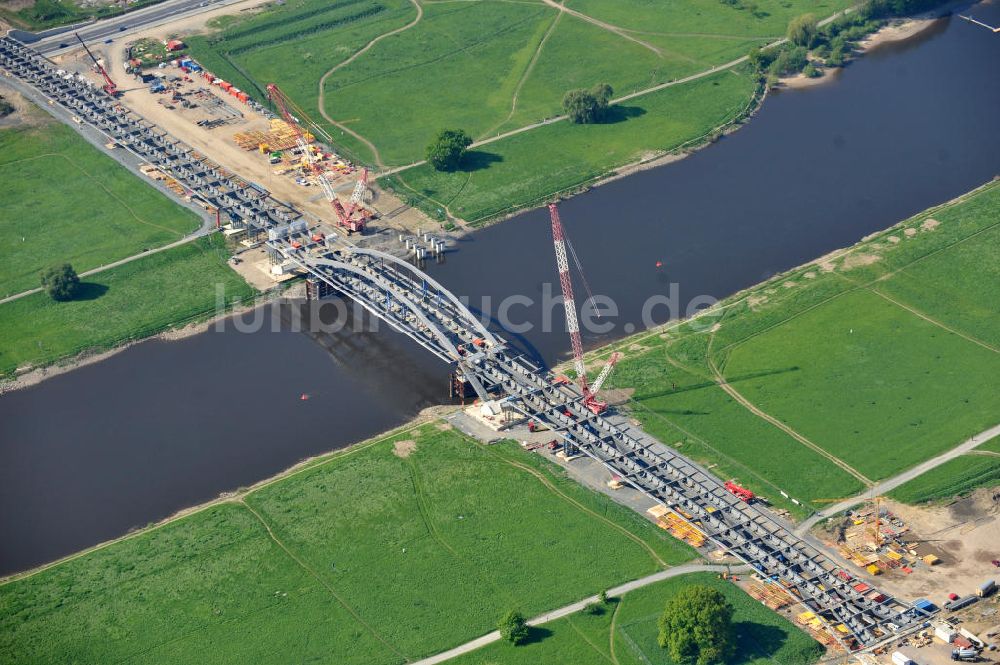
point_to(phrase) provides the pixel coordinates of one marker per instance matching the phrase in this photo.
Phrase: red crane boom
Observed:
(560, 242)
(345, 218)
(109, 85)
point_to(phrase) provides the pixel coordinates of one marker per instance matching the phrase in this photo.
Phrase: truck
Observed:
(900, 658)
(968, 655)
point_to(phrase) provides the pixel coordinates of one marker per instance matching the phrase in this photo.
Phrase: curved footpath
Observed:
(572, 608)
(894, 482)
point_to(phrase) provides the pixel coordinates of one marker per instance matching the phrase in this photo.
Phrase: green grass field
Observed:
(956, 477)
(564, 156)
(365, 557)
(490, 67)
(581, 639)
(882, 357)
(129, 302)
(94, 211)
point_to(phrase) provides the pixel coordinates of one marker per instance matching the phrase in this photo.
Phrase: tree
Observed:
(447, 149)
(61, 282)
(513, 627)
(588, 106)
(802, 30)
(697, 627)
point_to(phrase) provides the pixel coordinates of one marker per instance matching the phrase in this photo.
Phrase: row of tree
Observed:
(696, 627)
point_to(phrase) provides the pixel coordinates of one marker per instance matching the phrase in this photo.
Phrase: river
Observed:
(89, 454)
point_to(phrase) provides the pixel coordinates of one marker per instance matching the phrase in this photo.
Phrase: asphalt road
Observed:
(59, 40)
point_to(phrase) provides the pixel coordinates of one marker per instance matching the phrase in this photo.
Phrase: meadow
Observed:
(497, 180)
(129, 302)
(956, 477)
(625, 633)
(382, 553)
(840, 372)
(491, 67)
(94, 211)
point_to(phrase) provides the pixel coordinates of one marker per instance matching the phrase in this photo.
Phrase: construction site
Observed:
(876, 584)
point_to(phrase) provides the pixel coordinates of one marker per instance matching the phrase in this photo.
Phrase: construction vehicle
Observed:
(560, 241)
(352, 218)
(109, 85)
(740, 492)
(967, 654)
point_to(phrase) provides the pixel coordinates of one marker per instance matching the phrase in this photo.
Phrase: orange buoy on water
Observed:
(304, 396)
(659, 264)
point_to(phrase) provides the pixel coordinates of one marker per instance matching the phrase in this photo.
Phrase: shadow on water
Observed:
(477, 160)
(619, 113)
(90, 291)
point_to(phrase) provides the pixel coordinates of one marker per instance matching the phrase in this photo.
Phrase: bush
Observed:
(802, 30)
(446, 150)
(61, 282)
(588, 106)
(6, 108)
(811, 71)
(696, 627)
(789, 61)
(513, 627)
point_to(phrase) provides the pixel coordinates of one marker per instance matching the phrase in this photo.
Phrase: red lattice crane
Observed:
(109, 85)
(354, 217)
(560, 242)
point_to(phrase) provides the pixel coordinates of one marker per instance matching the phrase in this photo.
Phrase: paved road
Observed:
(58, 40)
(206, 229)
(896, 481)
(489, 638)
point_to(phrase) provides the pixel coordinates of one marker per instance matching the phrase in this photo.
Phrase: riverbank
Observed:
(894, 31)
(317, 549)
(769, 363)
(117, 307)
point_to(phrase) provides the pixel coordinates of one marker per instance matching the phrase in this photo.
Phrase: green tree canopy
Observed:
(513, 627)
(588, 106)
(802, 30)
(696, 627)
(60, 282)
(446, 150)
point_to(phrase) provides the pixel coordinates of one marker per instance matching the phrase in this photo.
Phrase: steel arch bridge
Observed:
(413, 303)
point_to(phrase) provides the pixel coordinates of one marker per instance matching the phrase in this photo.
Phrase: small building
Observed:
(174, 45)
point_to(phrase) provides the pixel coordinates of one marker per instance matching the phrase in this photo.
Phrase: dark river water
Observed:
(89, 454)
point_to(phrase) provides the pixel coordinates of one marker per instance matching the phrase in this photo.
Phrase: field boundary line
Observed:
(540, 476)
(527, 72)
(984, 453)
(294, 470)
(318, 578)
(586, 640)
(760, 413)
(611, 630)
(621, 32)
(862, 244)
(966, 447)
(933, 321)
(418, 495)
(320, 102)
(720, 308)
(572, 608)
(704, 442)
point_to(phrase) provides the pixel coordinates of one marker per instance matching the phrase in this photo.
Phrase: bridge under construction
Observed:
(414, 304)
